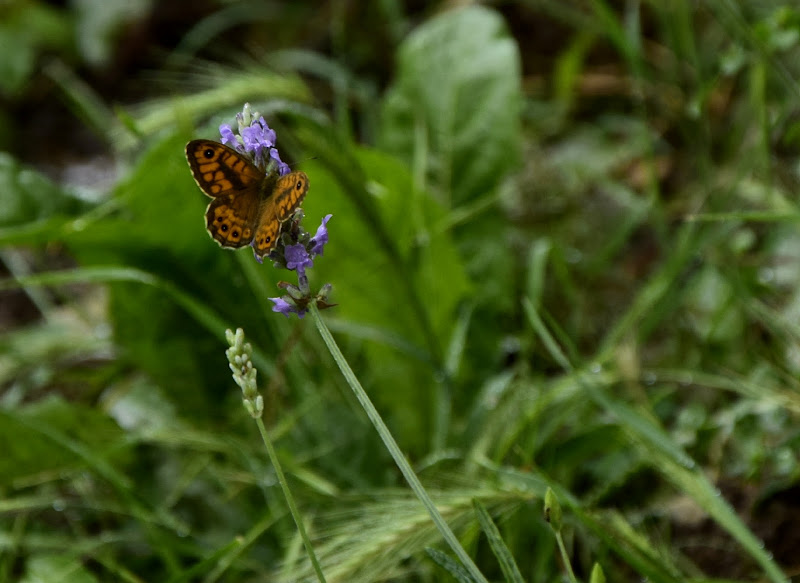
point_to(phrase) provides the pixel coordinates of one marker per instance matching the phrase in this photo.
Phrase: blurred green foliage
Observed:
(564, 250)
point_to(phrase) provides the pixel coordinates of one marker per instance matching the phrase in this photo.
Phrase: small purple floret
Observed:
(229, 138)
(283, 307)
(297, 257)
(269, 134)
(283, 167)
(320, 237)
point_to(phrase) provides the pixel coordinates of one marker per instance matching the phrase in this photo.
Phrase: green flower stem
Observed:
(393, 448)
(565, 558)
(287, 493)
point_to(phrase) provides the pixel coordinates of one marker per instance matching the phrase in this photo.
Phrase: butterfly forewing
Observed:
(287, 195)
(220, 170)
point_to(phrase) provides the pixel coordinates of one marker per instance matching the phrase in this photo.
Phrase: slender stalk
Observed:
(565, 558)
(393, 448)
(287, 493)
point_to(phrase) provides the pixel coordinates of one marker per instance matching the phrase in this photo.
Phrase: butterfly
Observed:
(247, 206)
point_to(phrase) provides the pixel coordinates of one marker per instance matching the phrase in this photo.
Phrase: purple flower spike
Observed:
(320, 237)
(256, 139)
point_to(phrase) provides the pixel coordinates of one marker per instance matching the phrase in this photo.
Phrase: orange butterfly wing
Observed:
(286, 196)
(220, 170)
(234, 183)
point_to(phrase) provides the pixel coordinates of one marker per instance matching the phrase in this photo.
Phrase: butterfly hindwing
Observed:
(229, 220)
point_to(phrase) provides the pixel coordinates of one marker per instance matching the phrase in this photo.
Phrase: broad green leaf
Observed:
(453, 110)
(373, 288)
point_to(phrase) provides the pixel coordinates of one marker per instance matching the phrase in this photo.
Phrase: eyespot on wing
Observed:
(266, 236)
(220, 170)
(227, 225)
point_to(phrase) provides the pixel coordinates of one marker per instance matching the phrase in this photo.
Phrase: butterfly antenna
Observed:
(306, 160)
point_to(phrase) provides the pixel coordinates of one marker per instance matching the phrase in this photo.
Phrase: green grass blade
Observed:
(499, 548)
(450, 565)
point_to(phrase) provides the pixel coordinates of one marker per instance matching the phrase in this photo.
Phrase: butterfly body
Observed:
(248, 206)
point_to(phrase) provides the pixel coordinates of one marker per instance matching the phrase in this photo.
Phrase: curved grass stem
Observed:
(394, 449)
